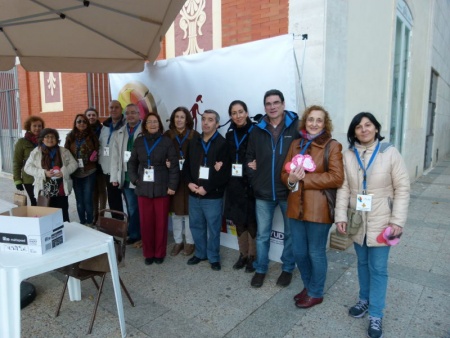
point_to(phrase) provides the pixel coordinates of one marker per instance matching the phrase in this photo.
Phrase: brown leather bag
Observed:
(43, 200)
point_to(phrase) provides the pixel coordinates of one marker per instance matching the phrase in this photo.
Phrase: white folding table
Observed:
(80, 243)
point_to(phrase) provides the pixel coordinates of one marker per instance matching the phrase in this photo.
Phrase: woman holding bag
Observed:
(376, 185)
(51, 167)
(307, 207)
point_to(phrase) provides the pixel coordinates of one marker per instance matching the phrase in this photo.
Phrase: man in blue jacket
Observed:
(268, 145)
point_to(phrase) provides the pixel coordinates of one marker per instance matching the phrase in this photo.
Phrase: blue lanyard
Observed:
(238, 143)
(131, 133)
(180, 143)
(52, 154)
(149, 151)
(207, 145)
(372, 158)
(302, 152)
(79, 144)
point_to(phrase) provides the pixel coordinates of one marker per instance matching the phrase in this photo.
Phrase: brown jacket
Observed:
(308, 203)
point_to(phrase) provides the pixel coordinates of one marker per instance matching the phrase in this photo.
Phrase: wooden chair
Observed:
(99, 265)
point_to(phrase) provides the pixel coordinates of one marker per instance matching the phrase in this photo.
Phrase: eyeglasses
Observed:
(132, 112)
(81, 121)
(49, 137)
(272, 104)
(152, 122)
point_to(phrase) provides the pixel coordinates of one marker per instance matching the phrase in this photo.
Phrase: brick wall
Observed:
(75, 98)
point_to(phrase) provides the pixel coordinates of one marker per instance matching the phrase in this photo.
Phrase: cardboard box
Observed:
(33, 230)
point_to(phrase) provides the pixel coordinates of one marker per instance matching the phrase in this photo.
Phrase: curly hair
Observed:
(30, 120)
(328, 123)
(189, 120)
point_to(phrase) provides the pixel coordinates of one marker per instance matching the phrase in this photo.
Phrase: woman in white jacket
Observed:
(377, 185)
(51, 167)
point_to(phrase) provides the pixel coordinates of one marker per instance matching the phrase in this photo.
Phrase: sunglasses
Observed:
(391, 237)
(81, 121)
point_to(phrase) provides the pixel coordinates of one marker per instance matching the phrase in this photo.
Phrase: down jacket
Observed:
(387, 182)
(308, 203)
(33, 167)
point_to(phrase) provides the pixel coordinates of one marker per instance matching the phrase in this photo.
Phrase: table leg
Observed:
(74, 286)
(9, 305)
(115, 279)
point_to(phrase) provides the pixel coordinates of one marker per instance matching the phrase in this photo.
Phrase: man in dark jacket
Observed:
(207, 170)
(268, 145)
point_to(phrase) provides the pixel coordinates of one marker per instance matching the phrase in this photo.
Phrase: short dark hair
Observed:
(29, 121)
(351, 135)
(91, 109)
(235, 102)
(189, 120)
(47, 131)
(212, 111)
(273, 92)
(144, 123)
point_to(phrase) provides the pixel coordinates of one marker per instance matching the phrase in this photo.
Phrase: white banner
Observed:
(211, 80)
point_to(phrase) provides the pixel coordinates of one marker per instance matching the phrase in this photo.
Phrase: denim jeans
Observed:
(131, 200)
(309, 243)
(373, 276)
(83, 188)
(264, 217)
(205, 221)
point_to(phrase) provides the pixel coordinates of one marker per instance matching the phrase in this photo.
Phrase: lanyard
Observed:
(306, 146)
(238, 143)
(372, 158)
(111, 130)
(207, 145)
(131, 133)
(79, 144)
(149, 151)
(52, 153)
(180, 143)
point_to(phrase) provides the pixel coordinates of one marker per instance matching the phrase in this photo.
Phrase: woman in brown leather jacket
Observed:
(308, 211)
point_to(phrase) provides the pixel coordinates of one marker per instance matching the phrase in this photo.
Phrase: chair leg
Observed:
(95, 282)
(62, 297)
(96, 304)
(126, 292)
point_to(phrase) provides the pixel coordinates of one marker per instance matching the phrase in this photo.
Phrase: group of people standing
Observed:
(244, 176)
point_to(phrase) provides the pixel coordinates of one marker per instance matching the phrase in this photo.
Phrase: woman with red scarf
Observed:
(24, 146)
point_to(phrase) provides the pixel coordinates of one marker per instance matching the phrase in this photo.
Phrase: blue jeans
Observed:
(264, 217)
(131, 200)
(83, 188)
(373, 276)
(205, 221)
(309, 243)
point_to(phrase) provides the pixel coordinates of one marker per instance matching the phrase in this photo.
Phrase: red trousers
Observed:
(154, 217)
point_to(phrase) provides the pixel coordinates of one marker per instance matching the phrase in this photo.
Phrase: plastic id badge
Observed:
(80, 163)
(204, 173)
(149, 175)
(364, 202)
(236, 170)
(181, 163)
(106, 151)
(126, 155)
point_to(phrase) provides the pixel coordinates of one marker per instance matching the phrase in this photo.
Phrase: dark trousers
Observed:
(61, 202)
(30, 191)
(114, 197)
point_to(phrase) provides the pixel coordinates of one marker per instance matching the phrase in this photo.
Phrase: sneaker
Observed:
(360, 309)
(284, 279)
(375, 329)
(258, 280)
(241, 262)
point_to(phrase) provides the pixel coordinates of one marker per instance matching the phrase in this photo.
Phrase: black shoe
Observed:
(359, 310)
(159, 260)
(241, 262)
(258, 280)
(375, 328)
(149, 261)
(195, 260)
(284, 279)
(216, 266)
(249, 267)
(132, 241)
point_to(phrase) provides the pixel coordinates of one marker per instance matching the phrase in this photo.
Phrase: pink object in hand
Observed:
(93, 157)
(383, 237)
(308, 163)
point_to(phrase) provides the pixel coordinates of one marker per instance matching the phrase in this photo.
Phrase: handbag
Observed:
(331, 193)
(20, 199)
(354, 222)
(43, 200)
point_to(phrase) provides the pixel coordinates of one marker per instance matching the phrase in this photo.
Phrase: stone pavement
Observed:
(177, 300)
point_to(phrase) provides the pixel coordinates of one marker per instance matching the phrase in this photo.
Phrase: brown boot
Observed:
(188, 249)
(176, 249)
(249, 267)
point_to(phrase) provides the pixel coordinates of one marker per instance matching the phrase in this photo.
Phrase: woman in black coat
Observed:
(154, 183)
(239, 199)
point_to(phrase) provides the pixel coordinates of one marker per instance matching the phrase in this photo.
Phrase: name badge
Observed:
(236, 170)
(131, 186)
(149, 175)
(364, 202)
(181, 163)
(106, 151)
(126, 155)
(204, 173)
(80, 163)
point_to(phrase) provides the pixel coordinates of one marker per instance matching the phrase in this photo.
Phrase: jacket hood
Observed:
(289, 118)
